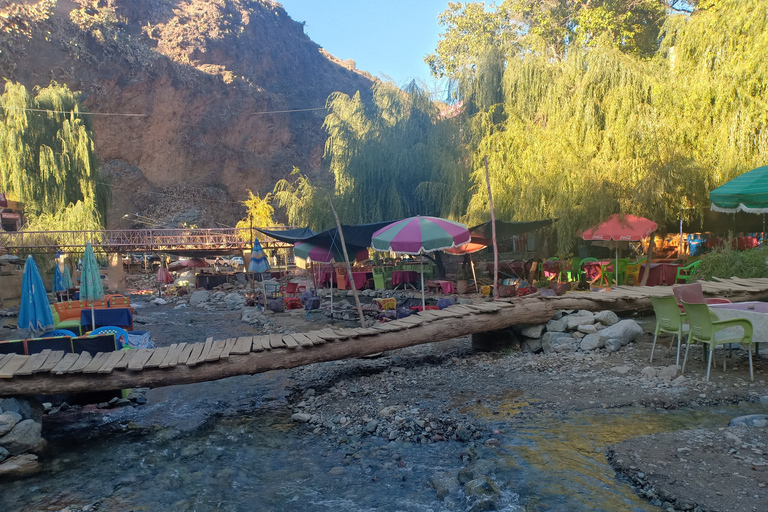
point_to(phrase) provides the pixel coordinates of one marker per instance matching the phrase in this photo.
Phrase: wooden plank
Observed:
(276, 341)
(242, 346)
(260, 343)
(216, 349)
(228, 348)
(122, 363)
(65, 364)
(9, 368)
(34, 363)
(81, 363)
(302, 339)
(289, 341)
(139, 359)
(194, 356)
(5, 358)
(314, 338)
(206, 350)
(112, 360)
(51, 361)
(97, 362)
(158, 355)
(172, 357)
(185, 353)
(328, 334)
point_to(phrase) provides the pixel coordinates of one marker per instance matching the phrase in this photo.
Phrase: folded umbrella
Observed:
(258, 261)
(90, 280)
(34, 310)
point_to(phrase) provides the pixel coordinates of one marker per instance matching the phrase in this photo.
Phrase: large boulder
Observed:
(606, 317)
(532, 330)
(581, 317)
(591, 342)
(557, 324)
(25, 437)
(199, 297)
(234, 300)
(624, 331)
(8, 420)
(17, 467)
(24, 408)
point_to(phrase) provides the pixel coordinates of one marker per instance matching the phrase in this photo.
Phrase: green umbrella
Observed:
(746, 193)
(90, 280)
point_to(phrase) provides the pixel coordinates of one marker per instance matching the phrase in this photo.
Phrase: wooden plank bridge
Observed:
(52, 372)
(218, 240)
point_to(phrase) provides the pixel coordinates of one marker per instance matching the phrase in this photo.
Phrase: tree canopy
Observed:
(48, 158)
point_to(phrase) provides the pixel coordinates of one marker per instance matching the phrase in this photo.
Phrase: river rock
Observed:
(8, 420)
(649, 372)
(531, 345)
(199, 297)
(607, 317)
(669, 373)
(234, 300)
(480, 488)
(301, 417)
(621, 370)
(587, 329)
(477, 469)
(371, 426)
(4, 454)
(580, 318)
(591, 342)
(444, 484)
(22, 407)
(532, 330)
(557, 325)
(24, 437)
(751, 420)
(625, 331)
(613, 345)
(16, 467)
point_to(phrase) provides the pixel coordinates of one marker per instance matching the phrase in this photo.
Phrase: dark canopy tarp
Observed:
(290, 236)
(482, 233)
(357, 237)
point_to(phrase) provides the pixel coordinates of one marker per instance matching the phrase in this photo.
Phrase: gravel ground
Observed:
(448, 391)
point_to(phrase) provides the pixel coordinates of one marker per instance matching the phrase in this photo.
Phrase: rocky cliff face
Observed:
(209, 82)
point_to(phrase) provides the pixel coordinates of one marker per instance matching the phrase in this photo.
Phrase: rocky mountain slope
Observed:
(209, 83)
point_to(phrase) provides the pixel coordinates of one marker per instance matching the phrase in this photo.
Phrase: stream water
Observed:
(261, 460)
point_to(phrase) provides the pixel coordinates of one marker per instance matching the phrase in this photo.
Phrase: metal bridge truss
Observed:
(135, 240)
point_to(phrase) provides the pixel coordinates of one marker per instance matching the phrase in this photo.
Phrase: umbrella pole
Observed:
(762, 238)
(93, 318)
(423, 300)
(474, 276)
(617, 266)
(333, 273)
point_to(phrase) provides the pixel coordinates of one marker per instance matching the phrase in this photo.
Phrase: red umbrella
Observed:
(190, 263)
(621, 228)
(163, 276)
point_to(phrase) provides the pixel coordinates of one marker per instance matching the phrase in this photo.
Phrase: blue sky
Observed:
(389, 37)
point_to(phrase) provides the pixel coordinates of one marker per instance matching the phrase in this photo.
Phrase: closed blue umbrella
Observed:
(258, 261)
(58, 279)
(90, 280)
(35, 310)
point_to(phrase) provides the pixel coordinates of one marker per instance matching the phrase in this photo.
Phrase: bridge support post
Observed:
(116, 273)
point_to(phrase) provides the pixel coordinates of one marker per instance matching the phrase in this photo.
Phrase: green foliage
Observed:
(305, 203)
(727, 263)
(259, 213)
(393, 158)
(48, 158)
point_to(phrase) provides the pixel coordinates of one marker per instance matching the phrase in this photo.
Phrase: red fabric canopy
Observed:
(627, 228)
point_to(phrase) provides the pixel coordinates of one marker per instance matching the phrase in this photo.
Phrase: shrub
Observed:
(727, 263)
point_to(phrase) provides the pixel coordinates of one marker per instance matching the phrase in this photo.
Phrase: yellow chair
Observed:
(633, 271)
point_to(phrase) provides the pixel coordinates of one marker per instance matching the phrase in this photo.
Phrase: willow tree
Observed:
(259, 213)
(48, 157)
(305, 203)
(394, 157)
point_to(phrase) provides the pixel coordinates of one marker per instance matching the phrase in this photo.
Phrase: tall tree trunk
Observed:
(648, 257)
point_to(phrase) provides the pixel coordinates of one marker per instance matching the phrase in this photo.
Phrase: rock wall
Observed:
(201, 75)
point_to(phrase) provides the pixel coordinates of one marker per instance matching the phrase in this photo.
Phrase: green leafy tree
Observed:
(48, 158)
(305, 203)
(259, 213)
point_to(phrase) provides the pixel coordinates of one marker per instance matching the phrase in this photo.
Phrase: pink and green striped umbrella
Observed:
(417, 235)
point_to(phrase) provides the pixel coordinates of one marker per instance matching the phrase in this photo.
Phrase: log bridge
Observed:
(53, 372)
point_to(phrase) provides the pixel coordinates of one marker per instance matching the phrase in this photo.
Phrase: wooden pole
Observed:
(648, 257)
(493, 233)
(349, 267)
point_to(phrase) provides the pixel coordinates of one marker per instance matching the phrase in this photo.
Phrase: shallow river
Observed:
(255, 458)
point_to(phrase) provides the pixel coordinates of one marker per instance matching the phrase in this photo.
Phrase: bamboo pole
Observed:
(493, 233)
(349, 267)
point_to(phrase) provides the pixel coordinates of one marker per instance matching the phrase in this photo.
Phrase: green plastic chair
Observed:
(710, 333)
(669, 319)
(623, 263)
(380, 280)
(687, 273)
(576, 271)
